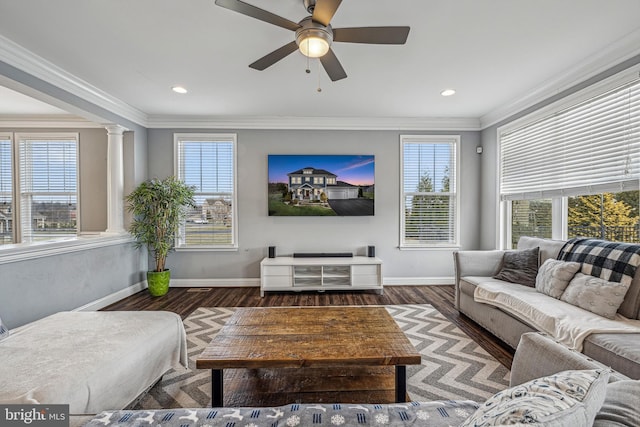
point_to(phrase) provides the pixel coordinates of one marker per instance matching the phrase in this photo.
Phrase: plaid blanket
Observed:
(611, 261)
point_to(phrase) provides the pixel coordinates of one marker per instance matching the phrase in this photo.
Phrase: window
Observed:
(530, 218)
(208, 162)
(6, 190)
(428, 180)
(318, 180)
(607, 216)
(575, 171)
(48, 186)
(38, 187)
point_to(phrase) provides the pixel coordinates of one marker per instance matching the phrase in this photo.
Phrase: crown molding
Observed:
(27, 61)
(623, 49)
(46, 121)
(314, 123)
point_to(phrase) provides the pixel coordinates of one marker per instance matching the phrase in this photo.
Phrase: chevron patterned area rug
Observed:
(453, 366)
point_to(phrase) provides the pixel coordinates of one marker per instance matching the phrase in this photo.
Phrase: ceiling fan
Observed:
(314, 34)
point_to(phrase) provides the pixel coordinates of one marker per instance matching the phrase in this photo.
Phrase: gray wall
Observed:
(296, 234)
(35, 288)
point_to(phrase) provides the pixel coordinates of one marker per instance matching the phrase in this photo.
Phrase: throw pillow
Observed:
(619, 408)
(519, 267)
(595, 294)
(554, 276)
(4, 331)
(568, 398)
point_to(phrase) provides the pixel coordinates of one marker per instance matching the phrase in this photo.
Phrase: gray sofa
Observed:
(621, 351)
(536, 356)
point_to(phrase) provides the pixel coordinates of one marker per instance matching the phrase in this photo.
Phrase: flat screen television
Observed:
(321, 185)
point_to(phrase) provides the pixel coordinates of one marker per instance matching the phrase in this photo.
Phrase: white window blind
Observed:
(48, 171)
(6, 191)
(589, 148)
(429, 195)
(208, 162)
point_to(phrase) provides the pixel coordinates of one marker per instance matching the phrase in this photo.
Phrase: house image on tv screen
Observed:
(310, 183)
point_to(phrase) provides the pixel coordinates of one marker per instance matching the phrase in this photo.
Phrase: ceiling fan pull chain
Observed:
(308, 70)
(318, 64)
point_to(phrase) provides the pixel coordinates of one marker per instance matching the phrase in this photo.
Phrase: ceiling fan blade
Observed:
(255, 12)
(275, 56)
(372, 35)
(324, 10)
(332, 66)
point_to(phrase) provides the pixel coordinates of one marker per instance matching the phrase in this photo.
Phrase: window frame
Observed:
(8, 136)
(211, 137)
(453, 140)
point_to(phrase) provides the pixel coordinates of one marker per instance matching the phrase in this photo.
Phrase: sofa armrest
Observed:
(475, 263)
(537, 356)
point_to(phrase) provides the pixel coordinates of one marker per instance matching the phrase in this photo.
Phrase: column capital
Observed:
(113, 129)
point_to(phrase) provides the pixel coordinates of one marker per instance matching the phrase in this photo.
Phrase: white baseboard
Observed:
(215, 283)
(114, 297)
(417, 281)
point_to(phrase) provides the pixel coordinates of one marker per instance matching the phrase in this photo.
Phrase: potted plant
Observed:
(159, 206)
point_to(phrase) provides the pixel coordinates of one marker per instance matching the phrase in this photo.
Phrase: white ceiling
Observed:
(12, 102)
(492, 52)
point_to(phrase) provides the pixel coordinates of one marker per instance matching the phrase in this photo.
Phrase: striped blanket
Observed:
(611, 261)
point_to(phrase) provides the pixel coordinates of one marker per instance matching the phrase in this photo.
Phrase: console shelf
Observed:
(320, 274)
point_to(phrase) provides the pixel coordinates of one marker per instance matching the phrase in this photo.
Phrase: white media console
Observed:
(320, 274)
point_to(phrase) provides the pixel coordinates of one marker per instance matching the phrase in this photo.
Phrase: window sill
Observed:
(29, 251)
(429, 247)
(207, 249)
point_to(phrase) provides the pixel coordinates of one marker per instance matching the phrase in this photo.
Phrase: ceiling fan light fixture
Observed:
(314, 47)
(313, 39)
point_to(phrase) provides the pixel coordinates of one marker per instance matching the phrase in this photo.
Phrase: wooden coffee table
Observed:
(324, 340)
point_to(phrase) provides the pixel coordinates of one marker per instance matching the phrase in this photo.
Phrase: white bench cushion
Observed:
(93, 361)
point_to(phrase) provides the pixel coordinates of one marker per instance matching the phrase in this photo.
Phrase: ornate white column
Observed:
(115, 179)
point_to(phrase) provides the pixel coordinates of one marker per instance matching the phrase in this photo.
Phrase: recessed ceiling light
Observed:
(448, 92)
(179, 89)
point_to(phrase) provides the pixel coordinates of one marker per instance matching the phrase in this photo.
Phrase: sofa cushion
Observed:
(568, 398)
(566, 323)
(619, 351)
(554, 276)
(619, 408)
(468, 283)
(548, 248)
(520, 267)
(630, 307)
(596, 295)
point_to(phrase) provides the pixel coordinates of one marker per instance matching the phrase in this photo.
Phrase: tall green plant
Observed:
(159, 206)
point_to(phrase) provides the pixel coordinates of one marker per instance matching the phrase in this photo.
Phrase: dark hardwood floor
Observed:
(184, 301)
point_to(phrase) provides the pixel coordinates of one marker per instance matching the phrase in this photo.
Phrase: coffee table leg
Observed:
(216, 388)
(401, 383)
